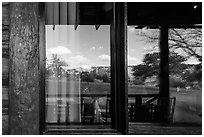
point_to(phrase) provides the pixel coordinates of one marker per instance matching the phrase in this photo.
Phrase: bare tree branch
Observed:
(188, 40)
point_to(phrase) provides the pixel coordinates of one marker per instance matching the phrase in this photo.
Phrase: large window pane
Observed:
(77, 74)
(143, 71)
(185, 68)
(185, 74)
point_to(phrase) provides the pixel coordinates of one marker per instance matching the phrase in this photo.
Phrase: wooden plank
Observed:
(56, 13)
(72, 13)
(5, 27)
(80, 130)
(5, 34)
(5, 66)
(5, 80)
(5, 10)
(163, 129)
(4, 92)
(63, 13)
(49, 13)
(5, 51)
(5, 4)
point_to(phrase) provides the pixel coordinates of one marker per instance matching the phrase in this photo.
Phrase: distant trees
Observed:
(88, 77)
(58, 68)
(184, 44)
(150, 66)
(181, 74)
(55, 66)
(187, 41)
(92, 76)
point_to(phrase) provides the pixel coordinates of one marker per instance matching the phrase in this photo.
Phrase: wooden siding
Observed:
(5, 51)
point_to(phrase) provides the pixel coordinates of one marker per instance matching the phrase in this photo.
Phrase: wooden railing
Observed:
(140, 106)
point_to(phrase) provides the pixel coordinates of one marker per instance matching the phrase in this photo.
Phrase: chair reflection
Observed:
(152, 110)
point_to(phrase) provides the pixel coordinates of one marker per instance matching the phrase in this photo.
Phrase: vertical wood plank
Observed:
(49, 13)
(56, 13)
(72, 13)
(63, 13)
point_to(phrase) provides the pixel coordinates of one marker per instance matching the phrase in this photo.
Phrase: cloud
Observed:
(79, 58)
(132, 50)
(131, 28)
(78, 61)
(96, 48)
(104, 57)
(92, 48)
(101, 47)
(60, 50)
(133, 60)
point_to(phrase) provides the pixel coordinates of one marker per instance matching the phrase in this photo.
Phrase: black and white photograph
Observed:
(101, 68)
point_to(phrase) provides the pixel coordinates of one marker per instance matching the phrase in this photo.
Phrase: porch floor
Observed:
(164, 129)
(134, 129)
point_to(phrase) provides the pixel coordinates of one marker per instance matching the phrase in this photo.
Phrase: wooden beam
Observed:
(24, 73)
(42, 55)
(119, 36)
(164, 70)
(164, 62)
(113, 77)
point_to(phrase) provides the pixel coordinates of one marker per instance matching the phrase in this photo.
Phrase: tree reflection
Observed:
(55, 68)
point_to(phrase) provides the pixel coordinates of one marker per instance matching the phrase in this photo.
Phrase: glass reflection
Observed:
(77, 75)
(185, 74)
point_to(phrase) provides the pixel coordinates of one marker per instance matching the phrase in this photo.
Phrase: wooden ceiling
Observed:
(139, 13)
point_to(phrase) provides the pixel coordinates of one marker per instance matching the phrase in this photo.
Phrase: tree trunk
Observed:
(24, 69)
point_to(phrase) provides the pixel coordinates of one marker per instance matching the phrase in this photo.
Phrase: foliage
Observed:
(193, 76)
(188, 41)
(86, 76)
(176, 82)
(55, 66)
(105, 78)
(150, 66)
(184, 44)
(138, 81)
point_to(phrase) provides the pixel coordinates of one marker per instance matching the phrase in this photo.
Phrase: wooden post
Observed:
(42, 54)
(24, 73)
(119, 64)
(164, 70)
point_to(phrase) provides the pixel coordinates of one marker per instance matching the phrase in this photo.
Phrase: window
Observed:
(185, 72)
(143, 72)
(77, 74)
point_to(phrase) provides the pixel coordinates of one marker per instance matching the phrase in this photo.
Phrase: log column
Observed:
(24, 69)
